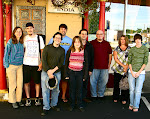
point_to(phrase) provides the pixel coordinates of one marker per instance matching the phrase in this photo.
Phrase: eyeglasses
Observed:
(100, 34)
(57, 38)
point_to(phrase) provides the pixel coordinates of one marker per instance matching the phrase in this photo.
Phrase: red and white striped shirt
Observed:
(76, 60)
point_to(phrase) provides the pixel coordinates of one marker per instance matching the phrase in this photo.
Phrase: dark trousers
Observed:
(85, 84)
(116, 91)
(75, 87)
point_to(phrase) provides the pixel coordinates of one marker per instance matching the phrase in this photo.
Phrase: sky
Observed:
(137, 16)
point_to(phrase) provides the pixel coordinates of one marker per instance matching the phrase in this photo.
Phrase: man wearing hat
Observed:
(32, 64)
(52, 60)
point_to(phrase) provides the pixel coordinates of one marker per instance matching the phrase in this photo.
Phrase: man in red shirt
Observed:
(102, 61)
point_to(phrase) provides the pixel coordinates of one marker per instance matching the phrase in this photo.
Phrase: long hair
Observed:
(126, 40)
(72, 48)
(14, 39)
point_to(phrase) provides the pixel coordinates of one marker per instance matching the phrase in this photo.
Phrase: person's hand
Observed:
(67, 78)
(125, 68)
(40, 67)
(137, 74)
(90, 73)
(50, 72)
(133, 74)
(51, 76)
(83, 79)
(108, 66)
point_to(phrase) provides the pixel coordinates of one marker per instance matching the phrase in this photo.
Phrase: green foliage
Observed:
(93, 21)
(144, 31)
(129, 31)
(139, 30)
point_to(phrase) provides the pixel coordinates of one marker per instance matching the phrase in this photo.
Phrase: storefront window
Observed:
(137, 21)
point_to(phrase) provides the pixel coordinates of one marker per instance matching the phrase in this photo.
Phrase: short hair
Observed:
(126, 39)
(29, 24)
(63, 26)
(57, 33)
(83, 30)
(137, 36)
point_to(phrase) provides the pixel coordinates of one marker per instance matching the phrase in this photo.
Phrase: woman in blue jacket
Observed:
(13, 60)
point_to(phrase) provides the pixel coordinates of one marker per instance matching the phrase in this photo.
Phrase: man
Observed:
(52, 60)
(102, 61)
(32, 63)
(65, 43)
(89, 48)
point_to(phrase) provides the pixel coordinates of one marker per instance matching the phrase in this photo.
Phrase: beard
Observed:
(30, 34)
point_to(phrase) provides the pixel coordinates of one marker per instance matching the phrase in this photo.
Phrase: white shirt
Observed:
(143, 72)
(32, 55)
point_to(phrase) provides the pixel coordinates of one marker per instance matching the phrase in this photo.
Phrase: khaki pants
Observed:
(15, 78)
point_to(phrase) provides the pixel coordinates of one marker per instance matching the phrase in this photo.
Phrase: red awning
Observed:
(131, 2)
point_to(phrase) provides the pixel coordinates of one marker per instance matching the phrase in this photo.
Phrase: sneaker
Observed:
(14, 105)
(55, 108)
(87, 100)
(44, 112)
(70, 109)
(28, 102)
(81, 109)
(20, 104)
(37, 102)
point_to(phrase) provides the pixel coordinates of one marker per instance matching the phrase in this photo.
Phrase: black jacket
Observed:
(90, 51)
(85, 65)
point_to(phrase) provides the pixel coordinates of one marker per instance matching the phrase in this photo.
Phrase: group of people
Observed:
(74, 62)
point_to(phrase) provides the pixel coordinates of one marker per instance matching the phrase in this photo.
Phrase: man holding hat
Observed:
(32, 64)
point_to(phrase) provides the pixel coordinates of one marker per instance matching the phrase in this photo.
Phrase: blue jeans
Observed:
(46, 91)
(98, 81)
(135, 86)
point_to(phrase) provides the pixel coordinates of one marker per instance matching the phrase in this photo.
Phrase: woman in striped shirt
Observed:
(76, 70)
(13, 60)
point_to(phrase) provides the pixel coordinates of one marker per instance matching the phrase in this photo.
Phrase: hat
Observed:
(29, 24)
(51, 83)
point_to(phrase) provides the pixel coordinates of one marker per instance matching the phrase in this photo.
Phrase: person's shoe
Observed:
(124, 102)
(20, 104)
(14, 105)
(87, 100)
(28, 103)
(131, 108)
(135, 110)
(64, 100)
(81, 109)
(37, 102)
(55, 108)
(70, 109)
(94, 99)
(44, 112)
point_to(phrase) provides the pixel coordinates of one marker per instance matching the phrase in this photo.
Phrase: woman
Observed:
(13, 60)
(120, 68)
(138, 58)
(76, 70)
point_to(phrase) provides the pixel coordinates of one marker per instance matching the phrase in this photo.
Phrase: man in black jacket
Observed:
(52, 60)
(89, 49)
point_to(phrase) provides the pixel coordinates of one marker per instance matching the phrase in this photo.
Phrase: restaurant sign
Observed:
(63, 6)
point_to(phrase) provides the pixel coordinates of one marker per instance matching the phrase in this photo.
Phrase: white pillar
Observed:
(124, 21)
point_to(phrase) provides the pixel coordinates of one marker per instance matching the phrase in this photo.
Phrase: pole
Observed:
(124, 21)
(2, 70)
(102, 16)
(86, 22)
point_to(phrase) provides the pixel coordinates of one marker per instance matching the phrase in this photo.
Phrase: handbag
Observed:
(123, 84)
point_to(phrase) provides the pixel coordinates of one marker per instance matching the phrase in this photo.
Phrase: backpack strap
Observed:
(39, 44)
